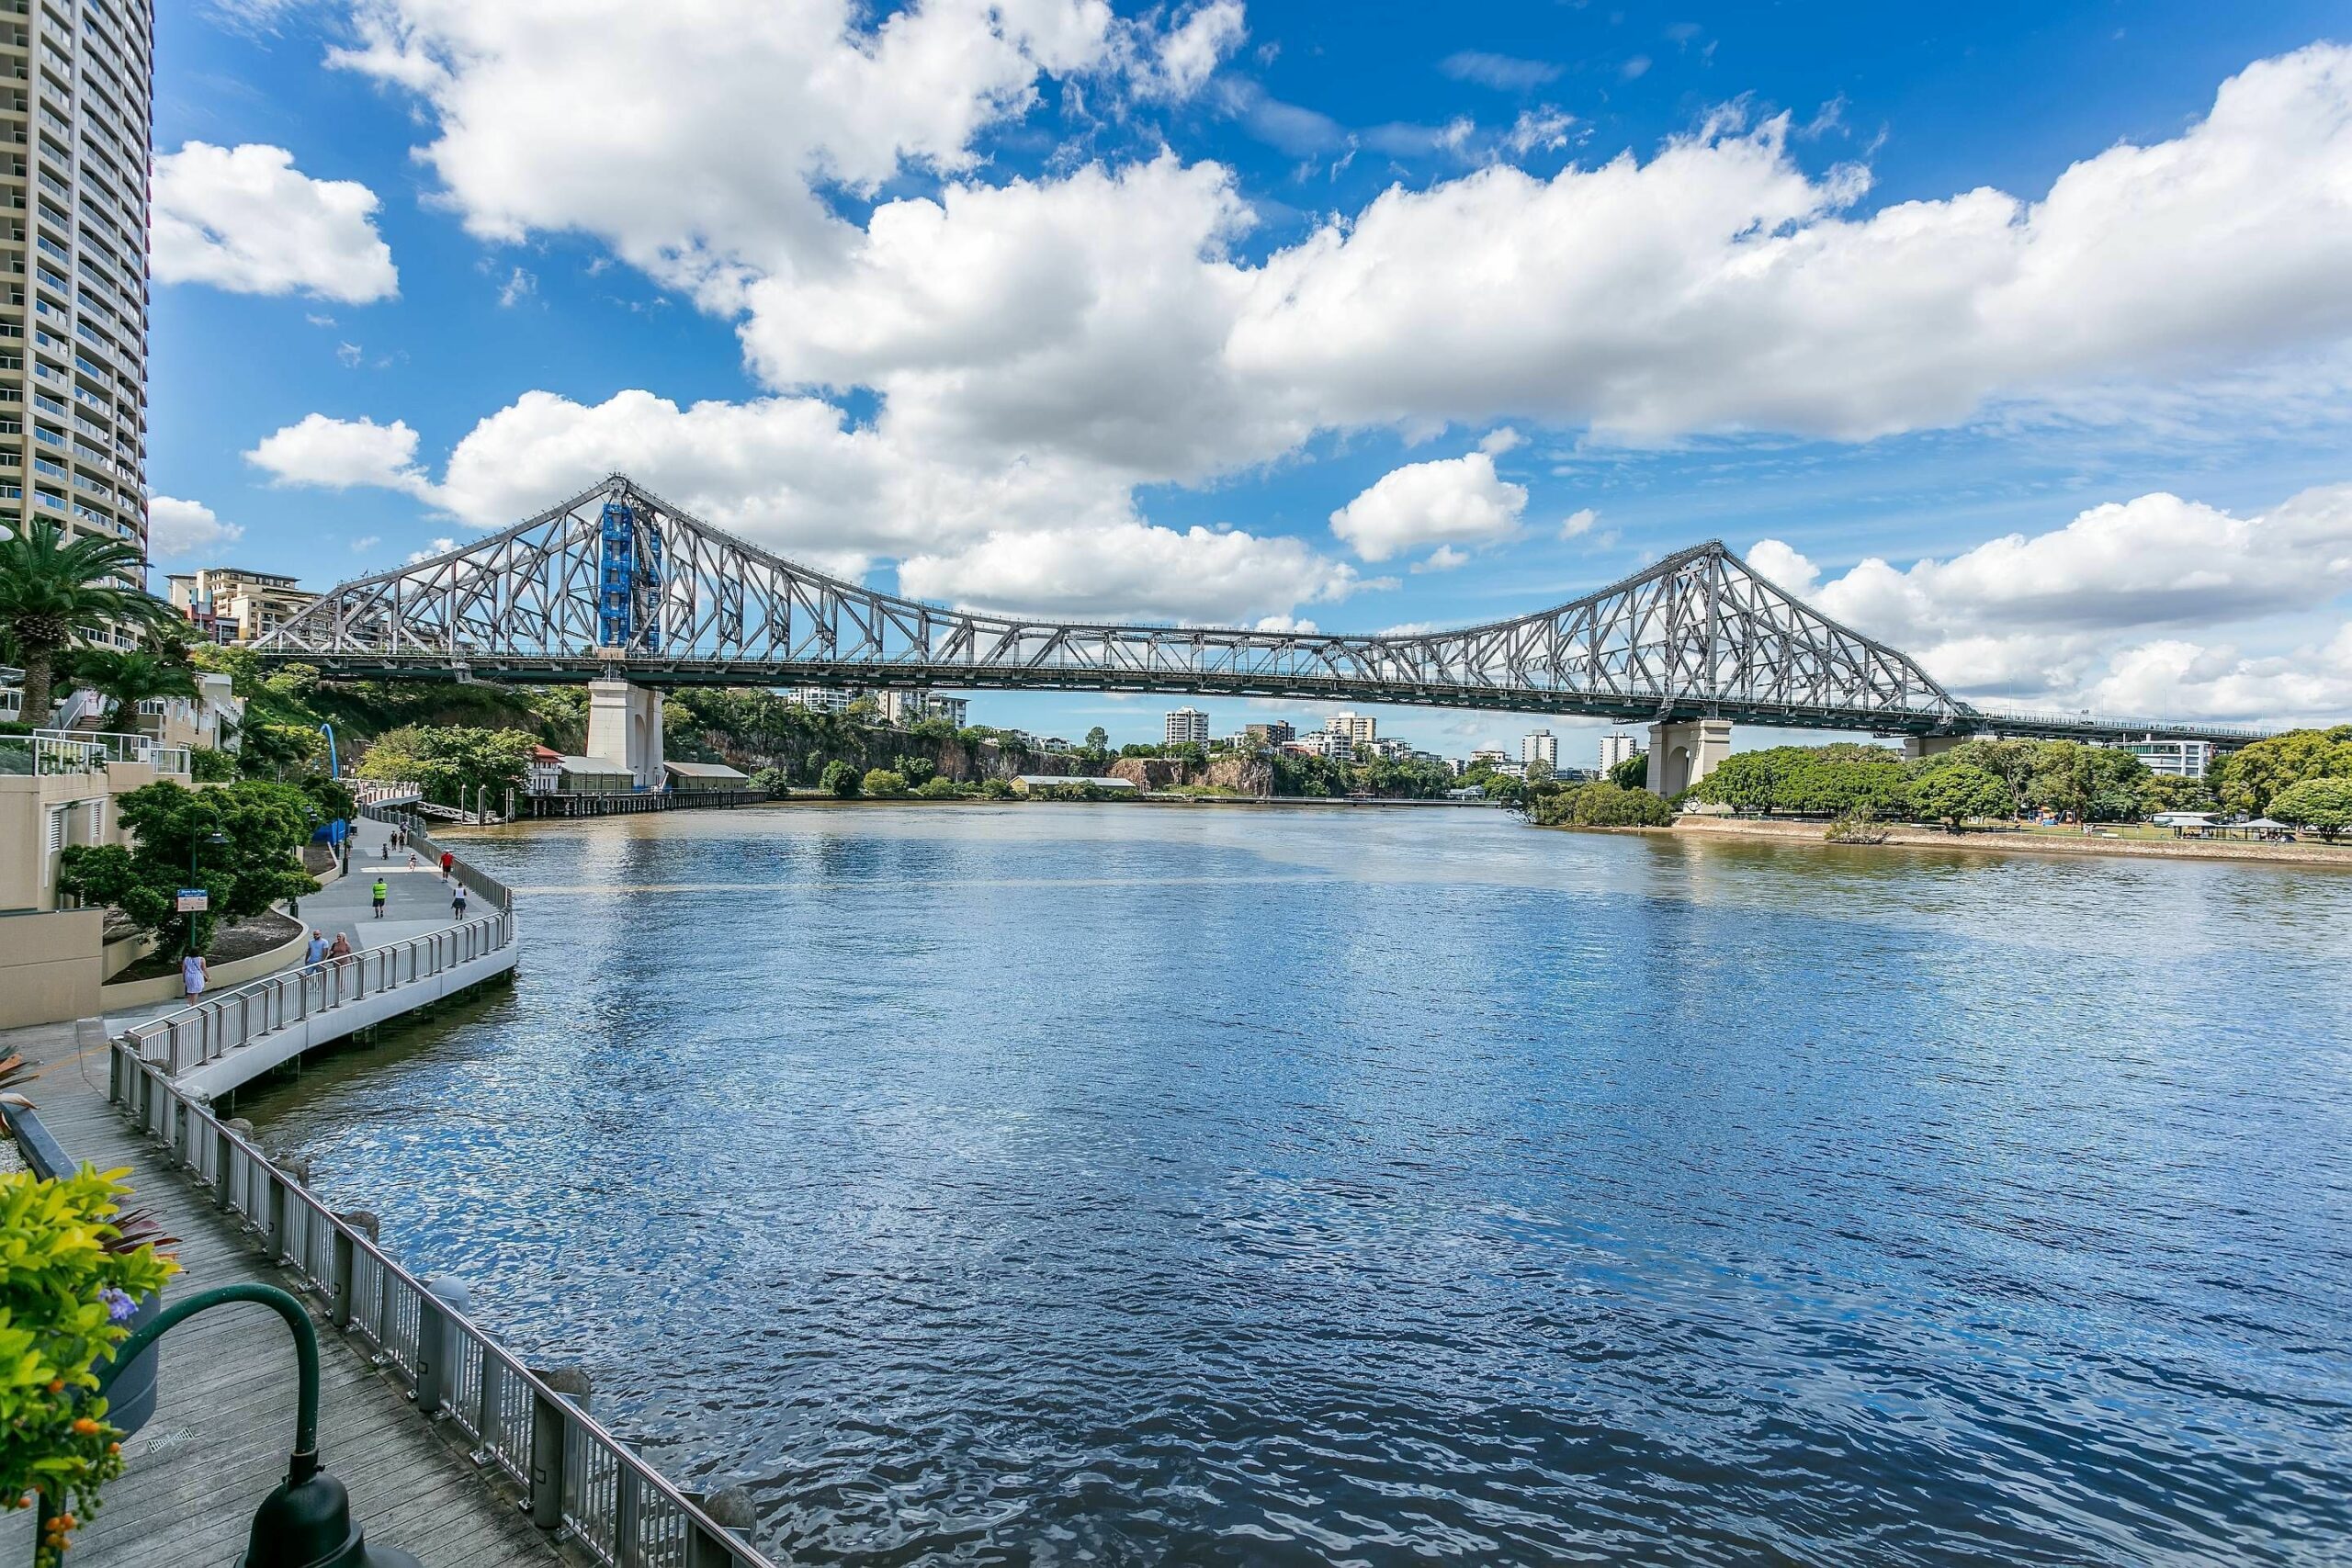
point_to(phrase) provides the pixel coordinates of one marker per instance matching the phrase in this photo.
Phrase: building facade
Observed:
(1539, 746)
(906, 707)
(1187, 727)
(229, 604)
(1273, 733)
(74, 320)
(1361, 729)
(1618, 746)
(2175, 759)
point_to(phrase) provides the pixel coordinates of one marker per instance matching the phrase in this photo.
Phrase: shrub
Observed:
(839, 780)
(884, 784)
(996, 789)
(1860, 826)
(774, 781)
(206, 765)
(65, 1298)
(940, 789)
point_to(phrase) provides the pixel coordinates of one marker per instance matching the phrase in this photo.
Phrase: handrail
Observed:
(581, 1482)
(204, 1032)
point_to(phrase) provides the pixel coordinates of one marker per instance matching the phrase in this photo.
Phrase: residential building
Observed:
(903, 708)
(1488, 754)
(1274, 732)
(1187, 727)
(1361, 729)
(2175, 759)
(1618, 746)
(1330, 744)
(231, 604)
(823, 699)
(78, 103)
(212, 720)
(1540, 746)
(1508, 769)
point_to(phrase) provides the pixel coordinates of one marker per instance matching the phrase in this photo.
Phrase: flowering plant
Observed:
(68, 1291)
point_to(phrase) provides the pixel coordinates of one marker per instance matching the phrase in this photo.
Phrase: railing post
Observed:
(730, 1507)
(437, 1339)
(550, 1428)
(628, 1516)
(346, 1269)
(224, 1155)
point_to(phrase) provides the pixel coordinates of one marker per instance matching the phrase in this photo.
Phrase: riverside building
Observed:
(78, 106)
(1540, 746)
(1618, 746)
(1187, 727)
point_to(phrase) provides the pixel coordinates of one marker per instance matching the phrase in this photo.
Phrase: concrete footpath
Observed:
(224, 1417)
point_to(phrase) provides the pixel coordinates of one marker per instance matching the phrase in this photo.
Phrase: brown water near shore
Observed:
(2334, 857)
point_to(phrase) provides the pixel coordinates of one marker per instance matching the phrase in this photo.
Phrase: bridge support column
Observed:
(625, 727)
(1917, 747)
(1683, 753)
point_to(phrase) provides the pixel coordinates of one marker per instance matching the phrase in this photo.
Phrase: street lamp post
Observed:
(210, 841)
(306, 1522)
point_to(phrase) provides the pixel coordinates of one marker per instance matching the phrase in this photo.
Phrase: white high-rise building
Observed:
(74, 321)
(1539, 746)
(1360, 728)
(1188, 727)
(1618, 746)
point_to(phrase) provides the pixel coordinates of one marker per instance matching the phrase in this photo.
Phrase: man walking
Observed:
(316, 954)
(447, 860)
(381, 889)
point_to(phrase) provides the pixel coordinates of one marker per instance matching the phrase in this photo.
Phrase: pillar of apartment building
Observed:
(1684, 753)
(625, 728)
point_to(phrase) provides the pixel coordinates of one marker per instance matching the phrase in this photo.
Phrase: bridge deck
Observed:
(225, 1414)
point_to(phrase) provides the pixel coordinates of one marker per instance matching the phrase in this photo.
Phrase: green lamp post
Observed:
(306, 1522)
(210, 841)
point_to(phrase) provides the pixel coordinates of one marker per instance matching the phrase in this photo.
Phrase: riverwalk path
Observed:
(224, 1418)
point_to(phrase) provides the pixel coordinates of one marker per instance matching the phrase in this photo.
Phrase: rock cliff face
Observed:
(1243, 775)
(882, 748)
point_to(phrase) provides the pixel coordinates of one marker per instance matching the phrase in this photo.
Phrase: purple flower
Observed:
(120, 1308)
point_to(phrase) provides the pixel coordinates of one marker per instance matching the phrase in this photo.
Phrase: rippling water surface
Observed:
(1120, 1184)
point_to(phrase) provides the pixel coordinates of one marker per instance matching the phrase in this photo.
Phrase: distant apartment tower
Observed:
(1273, 733)
(905, 707)
(1187, 727)
(821, 699)
(2175, 759)
(1618, 746)
(76, 99)
(1539, 746)
(228, 604)
(1361, 729)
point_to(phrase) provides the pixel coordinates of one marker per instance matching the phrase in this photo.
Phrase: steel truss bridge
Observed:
(616, 583)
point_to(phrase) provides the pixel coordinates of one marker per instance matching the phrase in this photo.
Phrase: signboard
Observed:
(193, 901)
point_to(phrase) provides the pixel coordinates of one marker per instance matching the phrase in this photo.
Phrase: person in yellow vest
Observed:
(381, 889)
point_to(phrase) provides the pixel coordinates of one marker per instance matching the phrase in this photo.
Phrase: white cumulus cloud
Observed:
(338, 453)
(177, 528)
(245, 219)
(1449, 501)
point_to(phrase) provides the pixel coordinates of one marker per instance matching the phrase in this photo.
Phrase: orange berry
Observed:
(85, 1426)
(57, 1385)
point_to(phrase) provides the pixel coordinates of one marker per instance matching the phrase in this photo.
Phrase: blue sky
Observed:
(1029, 305)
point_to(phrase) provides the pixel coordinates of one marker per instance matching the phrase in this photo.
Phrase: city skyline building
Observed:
(1618, 746)
(74, 320)
(233, 605)
(1186, 726)
(1539, 746)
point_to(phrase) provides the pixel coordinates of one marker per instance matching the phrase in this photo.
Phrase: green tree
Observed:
(265, 825)
(1098, 743)
(1634, 772)
(917, 770)
(996, 789)
(208, 766)
(1956, 793)
(2247, 779)
(2168, 791)
(884, 784)
(267, 750)
(2011, 761)
(454, 764)
(56, 592)
(840, 780)
(332, 799)
(773, 781)
(2325, 806)
(942, 789)
(127, 679)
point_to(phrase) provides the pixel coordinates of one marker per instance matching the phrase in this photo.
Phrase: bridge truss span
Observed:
(616, 582)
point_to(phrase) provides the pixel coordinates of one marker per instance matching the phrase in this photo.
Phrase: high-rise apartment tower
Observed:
(76, 100)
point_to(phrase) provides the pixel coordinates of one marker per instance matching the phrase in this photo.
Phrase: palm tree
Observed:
(126, 680)
(53, 589)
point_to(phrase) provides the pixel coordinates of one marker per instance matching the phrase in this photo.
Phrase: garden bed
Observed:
(232, 941)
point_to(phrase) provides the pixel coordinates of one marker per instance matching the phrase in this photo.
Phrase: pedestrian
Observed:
(447, 860)
(387, 849)
(316, 954)
(341, 952)
(412, 860)
(193, 975)
(378, 892)
(457, 903)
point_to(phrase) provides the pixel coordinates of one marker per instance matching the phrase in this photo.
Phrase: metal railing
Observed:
(48, 753)
(373, 792)
(579, 1481)
(209, 1030)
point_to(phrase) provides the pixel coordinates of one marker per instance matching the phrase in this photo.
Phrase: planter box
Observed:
(131, 1402)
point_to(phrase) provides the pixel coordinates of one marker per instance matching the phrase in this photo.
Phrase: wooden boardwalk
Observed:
(225, 1415)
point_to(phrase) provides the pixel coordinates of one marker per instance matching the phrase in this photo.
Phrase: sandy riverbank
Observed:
(2334, 857)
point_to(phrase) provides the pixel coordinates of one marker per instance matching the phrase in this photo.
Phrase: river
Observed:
(1124, 1184)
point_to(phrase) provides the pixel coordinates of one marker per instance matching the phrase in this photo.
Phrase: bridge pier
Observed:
(1919, 747)
(625, 727)
(1682, 753)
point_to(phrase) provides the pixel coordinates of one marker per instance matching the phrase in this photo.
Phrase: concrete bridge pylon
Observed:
(625, 728)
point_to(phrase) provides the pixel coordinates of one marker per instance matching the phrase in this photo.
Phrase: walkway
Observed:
(226, 1417)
